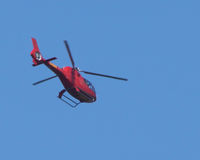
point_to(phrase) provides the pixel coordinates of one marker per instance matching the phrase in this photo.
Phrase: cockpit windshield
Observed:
(89, 85)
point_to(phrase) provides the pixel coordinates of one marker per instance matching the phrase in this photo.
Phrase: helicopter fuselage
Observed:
(74, 83)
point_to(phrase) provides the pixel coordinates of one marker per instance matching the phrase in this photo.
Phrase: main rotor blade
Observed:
(103, 75)
(69, 52)
(44, 80)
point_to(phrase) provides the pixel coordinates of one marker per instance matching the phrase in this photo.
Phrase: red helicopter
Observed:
(77, 86)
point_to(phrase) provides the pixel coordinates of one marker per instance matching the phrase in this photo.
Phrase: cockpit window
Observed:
(89, 84)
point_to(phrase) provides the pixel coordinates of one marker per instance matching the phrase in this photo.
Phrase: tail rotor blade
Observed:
(69, 52)
(103, 75)
(44, 80)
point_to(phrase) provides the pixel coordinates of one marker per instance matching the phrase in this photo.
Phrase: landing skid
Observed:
(64, 98)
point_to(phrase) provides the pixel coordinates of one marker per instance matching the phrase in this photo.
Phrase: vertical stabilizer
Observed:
(35, 53)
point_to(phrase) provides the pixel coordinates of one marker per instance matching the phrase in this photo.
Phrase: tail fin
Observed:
(35, 54)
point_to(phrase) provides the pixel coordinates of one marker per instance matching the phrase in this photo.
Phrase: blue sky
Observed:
(155, 115)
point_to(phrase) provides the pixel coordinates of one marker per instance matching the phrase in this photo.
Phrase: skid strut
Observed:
(71, 102)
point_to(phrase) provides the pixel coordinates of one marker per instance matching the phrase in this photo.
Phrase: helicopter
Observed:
(76, 85)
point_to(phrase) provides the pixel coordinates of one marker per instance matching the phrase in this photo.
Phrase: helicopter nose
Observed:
(94, 99)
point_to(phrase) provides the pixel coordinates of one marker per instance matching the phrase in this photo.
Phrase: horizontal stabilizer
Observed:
(47, 60)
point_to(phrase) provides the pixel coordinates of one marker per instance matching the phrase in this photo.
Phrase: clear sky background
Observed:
(155, 115)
